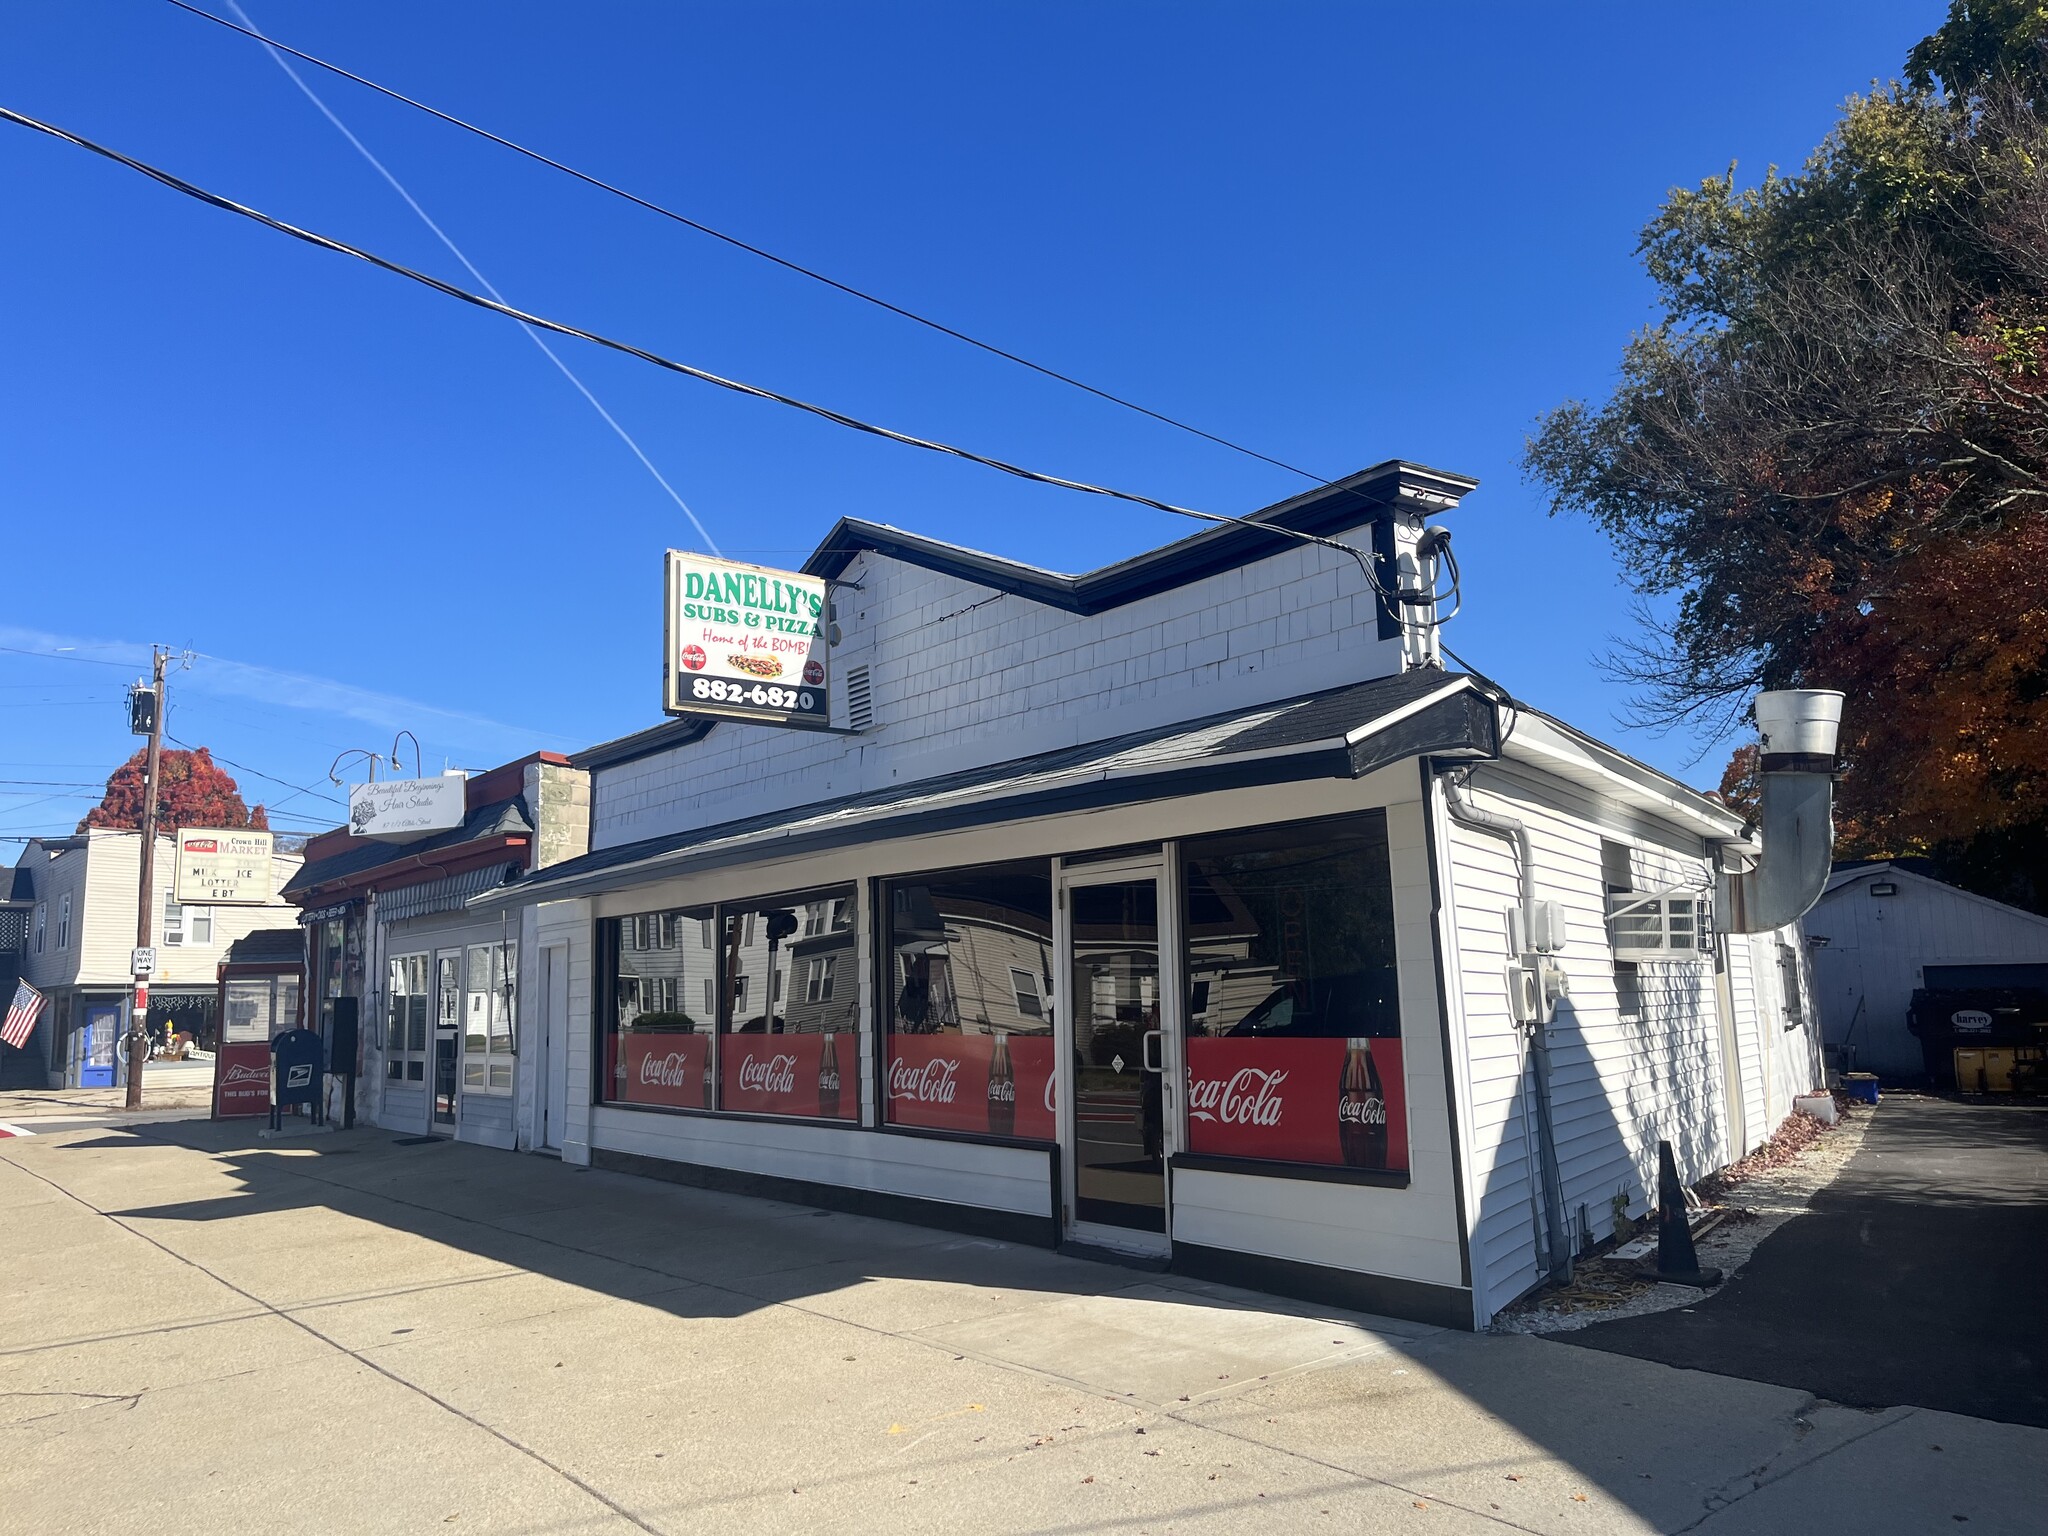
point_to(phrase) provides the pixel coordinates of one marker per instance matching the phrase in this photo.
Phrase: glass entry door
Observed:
(447, 1059)
(1118, 1126)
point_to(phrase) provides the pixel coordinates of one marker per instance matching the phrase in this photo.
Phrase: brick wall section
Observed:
(559, 798)
(964, 675)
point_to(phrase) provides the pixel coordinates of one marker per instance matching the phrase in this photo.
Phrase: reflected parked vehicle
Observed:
(1358, 1005)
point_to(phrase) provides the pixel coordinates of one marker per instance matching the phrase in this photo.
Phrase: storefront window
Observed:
(260, 1008)
(405, 1026)
(251, 1014)
(970, 1017)
(771, 987)
(492, 978)
(791, 1043)
(1293, 1046)
(664, 1011)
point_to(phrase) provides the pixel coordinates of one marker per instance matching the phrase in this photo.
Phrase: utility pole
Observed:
(145, 905)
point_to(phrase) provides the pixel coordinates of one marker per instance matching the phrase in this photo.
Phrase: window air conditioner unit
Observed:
(1658, 925)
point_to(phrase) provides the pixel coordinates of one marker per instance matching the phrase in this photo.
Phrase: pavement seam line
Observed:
(1884, 1422)
(368, 1364)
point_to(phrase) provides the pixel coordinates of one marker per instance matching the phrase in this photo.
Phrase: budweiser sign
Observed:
(241, 1078)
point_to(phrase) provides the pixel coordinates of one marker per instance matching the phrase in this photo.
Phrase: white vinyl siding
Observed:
(1617, 1086)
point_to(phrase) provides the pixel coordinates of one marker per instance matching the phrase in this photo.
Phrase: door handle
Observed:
(1152, 1051)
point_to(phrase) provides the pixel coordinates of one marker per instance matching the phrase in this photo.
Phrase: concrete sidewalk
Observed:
(207, 1330)
(171, 1091)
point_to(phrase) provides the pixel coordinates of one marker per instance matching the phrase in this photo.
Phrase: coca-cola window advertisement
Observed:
(1294, 1020)
(664, 1014)
(969, 1034)
(791, 1042)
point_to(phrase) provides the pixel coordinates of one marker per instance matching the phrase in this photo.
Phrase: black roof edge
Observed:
(1461, 724)
(656, 738)
(1322, 511)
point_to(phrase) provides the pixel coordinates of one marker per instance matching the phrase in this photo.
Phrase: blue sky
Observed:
(1337, 233)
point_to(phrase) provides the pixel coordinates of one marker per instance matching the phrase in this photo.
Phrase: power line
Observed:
(304, 789)
(753, 250)
(853, 423)
(94, 661)
(483, 282)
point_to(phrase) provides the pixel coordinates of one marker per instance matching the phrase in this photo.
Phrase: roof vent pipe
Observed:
(1798, 728)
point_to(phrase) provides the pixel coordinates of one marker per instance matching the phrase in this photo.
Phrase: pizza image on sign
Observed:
(746, 642)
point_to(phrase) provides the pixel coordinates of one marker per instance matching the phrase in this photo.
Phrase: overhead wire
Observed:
(303, 789)
(839, 418)
(483, 282)
(751, 249)
(94, 661)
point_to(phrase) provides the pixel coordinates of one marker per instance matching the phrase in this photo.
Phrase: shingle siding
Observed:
(964, 675)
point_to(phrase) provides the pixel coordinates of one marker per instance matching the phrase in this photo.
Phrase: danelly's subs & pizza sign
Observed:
(745, 642)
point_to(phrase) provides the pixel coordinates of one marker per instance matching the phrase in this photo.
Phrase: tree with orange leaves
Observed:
(191, 792)
(1830, 460)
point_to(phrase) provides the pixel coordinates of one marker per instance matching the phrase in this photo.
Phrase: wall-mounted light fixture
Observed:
(1884, 888)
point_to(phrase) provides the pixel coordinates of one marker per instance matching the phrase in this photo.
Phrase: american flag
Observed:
(21, 1015)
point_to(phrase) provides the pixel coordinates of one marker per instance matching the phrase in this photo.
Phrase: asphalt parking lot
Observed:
(1916, 1279)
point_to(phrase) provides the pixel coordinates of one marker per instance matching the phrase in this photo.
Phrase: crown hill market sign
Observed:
(400, 810)
(745, 642)
(223, 867)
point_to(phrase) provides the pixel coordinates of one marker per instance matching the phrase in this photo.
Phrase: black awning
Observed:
(1341, 733)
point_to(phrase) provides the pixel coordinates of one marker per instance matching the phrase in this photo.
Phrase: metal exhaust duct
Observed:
(1796, 830)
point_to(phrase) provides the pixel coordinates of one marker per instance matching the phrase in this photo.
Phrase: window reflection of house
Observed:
(971, 953)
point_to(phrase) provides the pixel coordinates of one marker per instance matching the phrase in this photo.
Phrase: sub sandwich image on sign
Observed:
(745, 642)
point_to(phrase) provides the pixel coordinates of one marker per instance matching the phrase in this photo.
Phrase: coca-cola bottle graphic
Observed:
(708, 1044)
(1002, 1089)
(828, 1078)
(1361, 1109)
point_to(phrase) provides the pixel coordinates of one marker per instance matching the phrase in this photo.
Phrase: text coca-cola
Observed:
(1002, 1089)
(1248, 1096)
(1361, 1109)
(768, 1074)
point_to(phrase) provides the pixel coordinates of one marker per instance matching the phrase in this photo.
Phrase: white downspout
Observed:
(1556, 1247)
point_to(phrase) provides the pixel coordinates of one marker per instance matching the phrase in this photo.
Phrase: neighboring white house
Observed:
(1883, 930)
(1173, 908)
(81, 938)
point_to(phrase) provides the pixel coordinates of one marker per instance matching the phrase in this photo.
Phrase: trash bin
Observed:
(1861, 1087)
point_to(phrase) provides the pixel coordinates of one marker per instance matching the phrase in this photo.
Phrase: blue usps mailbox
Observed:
(295, 1076)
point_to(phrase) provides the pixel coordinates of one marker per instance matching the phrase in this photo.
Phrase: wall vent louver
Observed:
(860, 699)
